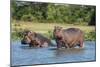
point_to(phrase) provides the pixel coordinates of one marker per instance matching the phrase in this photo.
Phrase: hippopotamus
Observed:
(68, 38)
(34, 39)
(36, 42)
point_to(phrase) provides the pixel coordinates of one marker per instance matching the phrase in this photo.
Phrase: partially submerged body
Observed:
(68, 38)
(35, 39)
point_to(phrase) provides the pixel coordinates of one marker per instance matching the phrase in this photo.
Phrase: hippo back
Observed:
(44, 39)
(74, 31)
(73, 34)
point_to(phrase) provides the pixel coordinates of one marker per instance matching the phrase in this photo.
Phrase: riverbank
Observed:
(46, 29)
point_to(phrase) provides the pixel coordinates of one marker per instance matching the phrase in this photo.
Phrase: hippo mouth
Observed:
(59, 38)
(24, 42)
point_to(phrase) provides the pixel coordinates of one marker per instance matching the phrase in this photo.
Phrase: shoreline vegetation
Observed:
(17, 27)
(42, 17)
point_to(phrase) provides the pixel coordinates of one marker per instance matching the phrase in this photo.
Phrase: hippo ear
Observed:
(33, 34)
(29, 33)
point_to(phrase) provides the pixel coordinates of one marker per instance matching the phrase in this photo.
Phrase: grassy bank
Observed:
(46, 28)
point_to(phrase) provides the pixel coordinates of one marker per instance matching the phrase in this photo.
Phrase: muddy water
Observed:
(23, 55)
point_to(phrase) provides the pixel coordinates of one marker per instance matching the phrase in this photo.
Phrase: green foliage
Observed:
(59, 13)
(28, 17)
(90, 36)
(16, 35)
(49, 34)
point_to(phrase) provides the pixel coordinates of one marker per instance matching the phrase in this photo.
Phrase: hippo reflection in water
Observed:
(68, 38)
(34, 39)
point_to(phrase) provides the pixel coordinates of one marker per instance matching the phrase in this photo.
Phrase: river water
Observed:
(24, 55)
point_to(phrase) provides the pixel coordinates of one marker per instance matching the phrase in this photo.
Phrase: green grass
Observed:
(44, 27)
(47, 28)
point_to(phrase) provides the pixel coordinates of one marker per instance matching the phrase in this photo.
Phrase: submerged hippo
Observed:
(35, 39)
(37, 42)
(68, 38)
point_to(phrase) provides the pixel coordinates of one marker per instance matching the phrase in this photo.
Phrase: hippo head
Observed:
(35, 42)
(58, 32)
(28, 36)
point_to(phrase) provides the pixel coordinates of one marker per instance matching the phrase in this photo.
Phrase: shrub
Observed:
(17, 35)
(49, 34)
(28, 17)
(90, 36)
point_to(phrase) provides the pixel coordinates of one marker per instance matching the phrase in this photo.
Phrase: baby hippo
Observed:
(34, 39)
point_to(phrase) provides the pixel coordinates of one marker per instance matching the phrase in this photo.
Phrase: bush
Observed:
(17, 35)
(90, 36)
(62, 13)
(49, 34)
(28, 17)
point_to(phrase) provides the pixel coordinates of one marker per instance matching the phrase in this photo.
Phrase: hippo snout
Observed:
(24, 42)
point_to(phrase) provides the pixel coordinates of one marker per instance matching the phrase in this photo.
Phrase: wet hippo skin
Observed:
(68, 38)
(34, 39)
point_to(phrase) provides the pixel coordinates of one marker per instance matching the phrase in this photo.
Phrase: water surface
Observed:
(23, 55)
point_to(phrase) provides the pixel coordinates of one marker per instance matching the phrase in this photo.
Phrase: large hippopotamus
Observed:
(68, 38)
(35, 39)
